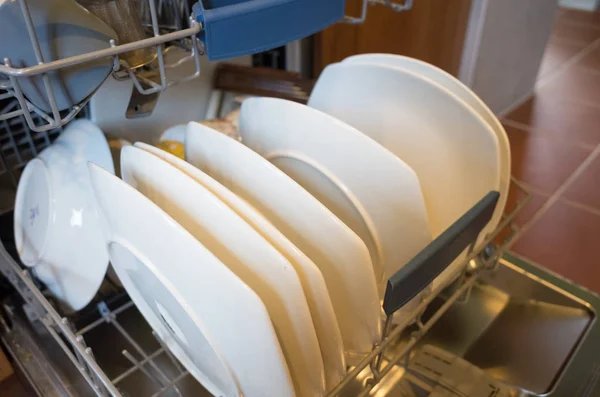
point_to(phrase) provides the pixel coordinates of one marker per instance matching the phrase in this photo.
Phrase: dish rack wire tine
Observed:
(52, 322)
(80, 357)
(172, 385)
(164, 385)
(112, 318)
(169, 354)
(396, 7)
(12, 86)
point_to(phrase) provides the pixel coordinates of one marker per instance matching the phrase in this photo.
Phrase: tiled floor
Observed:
(555, 142)
(12, 387)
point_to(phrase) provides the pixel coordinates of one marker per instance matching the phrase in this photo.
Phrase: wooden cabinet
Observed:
(433, 31)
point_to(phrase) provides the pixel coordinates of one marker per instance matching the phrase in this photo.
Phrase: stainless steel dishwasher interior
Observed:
(516, 327)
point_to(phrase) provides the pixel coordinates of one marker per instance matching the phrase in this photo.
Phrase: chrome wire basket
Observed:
(40, 121)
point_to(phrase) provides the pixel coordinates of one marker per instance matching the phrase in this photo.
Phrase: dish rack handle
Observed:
(420, 271)
(240, 27)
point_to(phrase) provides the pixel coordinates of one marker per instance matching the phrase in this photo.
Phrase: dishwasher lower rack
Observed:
(516, 306)
(522, 326)
(115, 353)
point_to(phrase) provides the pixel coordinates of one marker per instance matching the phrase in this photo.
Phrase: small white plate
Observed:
(339, 253)
(455, 86)
(244, 251)
(370, 189)
(313, 283)
(453, 151)
(57, 228)
(212, 321)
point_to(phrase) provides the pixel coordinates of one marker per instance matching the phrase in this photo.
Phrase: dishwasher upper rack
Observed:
(40, 121)
(395, 347)
(9, 74)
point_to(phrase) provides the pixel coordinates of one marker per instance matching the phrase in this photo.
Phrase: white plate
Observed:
(244, 251)
(57, 227)
(212, 321)
(372, 191)
(452, 149)
(456, 87)
(338, 252)
(313, 283)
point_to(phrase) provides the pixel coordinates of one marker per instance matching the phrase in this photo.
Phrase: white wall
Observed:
(504, 47)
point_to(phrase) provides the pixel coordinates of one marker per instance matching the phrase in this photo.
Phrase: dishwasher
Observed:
(504, 327)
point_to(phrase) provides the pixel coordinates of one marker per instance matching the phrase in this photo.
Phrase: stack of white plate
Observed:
(262, 263)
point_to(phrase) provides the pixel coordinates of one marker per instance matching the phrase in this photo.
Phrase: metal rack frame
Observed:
(396, 7)
(10, 83)
(394, 346)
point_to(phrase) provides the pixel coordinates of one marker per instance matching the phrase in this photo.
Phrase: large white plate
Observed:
(212, 321)
(313, 283)
(370, 189)
(244, 251)
(452, 149)
(339, 253)
(455, 86)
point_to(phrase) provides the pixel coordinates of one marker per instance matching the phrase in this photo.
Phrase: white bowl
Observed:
(57, 227)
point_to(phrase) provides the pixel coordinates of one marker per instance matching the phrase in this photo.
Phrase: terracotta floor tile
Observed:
(557, 53)
(541, 161)
(577, 84)
(586, 188)
(584, 17)
(12, 387)
(516, 195)
(575, 32)
(591, 60)
(564, 119)
(565, 240)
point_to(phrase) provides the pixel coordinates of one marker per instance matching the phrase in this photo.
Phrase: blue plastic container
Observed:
(240, 27)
